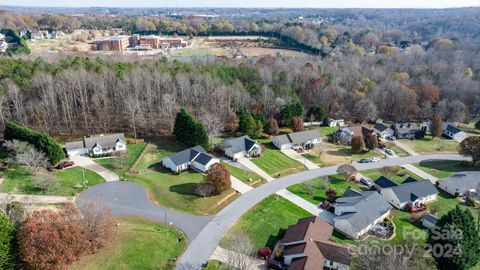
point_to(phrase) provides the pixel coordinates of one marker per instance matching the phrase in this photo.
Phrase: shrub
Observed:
(204, 190)
(41, 140)
(358, 144)
(6, 242)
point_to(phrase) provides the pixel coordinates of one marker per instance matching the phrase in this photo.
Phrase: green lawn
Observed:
(313, 158)
(398, 151)
(247, 177)
(444, 168)
(275, 163)
(429, 145)
(169, 189)
(20, 181)
(138, 244)
(266, 222)
(134, 151)
(216, 265)
(401, 175)
(325, 131)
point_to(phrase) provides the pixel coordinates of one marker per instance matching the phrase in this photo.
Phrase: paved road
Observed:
(88, 163)
(203, 246)
(129, 199)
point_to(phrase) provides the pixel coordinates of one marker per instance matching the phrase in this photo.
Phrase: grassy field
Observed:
(401, 174)
(138, 244)
(398, 151)
(70, 180)
(338, 154)
(169, 189)
(325, 131)
(134, 151)
(266, 222)
(275, 163)
(245, 176)
(318, 187)
(444, 168)
(435, 145)
(313, 158)
(216, 265)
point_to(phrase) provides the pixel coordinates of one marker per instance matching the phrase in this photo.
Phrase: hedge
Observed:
(41, 140)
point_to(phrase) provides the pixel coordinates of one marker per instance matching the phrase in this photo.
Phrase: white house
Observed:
(357, 212)
(97, 145)
(383, 130)
(236, 148)
(454, 133)
(303, 139)
(461, 183)
(410, 192)
(3, 46)
(336, 123)
(37, 35)
(195, 157)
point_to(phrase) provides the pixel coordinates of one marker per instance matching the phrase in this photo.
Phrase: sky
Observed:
(249, 3)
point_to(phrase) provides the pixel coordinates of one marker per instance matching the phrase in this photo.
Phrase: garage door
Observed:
(77, 152)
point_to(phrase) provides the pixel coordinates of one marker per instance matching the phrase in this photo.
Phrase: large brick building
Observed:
(115, 43)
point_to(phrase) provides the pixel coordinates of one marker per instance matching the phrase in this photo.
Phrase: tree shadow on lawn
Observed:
(184, 189)
(451, 166)
(273, 239)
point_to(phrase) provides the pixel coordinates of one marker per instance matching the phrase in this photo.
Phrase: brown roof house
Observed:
(344, 135)
(307, 246)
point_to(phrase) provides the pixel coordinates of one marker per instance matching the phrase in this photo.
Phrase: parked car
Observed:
(64, 165)
(391, 138)
(364, 160)
(366, 182)
(374, 159)
(389, 152)
(274, 264)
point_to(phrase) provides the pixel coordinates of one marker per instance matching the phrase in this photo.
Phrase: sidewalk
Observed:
(421, 173)
(34, 199)
(239, 186)
(306, 205)
(294, 155)
(251, 166)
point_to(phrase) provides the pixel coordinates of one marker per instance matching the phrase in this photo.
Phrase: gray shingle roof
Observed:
(299, 137)
(463, 181)
(453, 129)
(239, 144)
(203, 158)
(384, 182)
(367, 207)
(411, 191)
(381, 127)
(106, 141)
(188, 155)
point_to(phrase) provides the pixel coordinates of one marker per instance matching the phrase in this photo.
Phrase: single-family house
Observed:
(429, 221)
(236, 148)
(37, 35)
(405, 130)
(356, 212)
(303, 139)
(454, 133)
(460, 184)
(196, 158)
(344, 135)
(3, 46)
(56, 34)
(97, 145)
(408, 194)
(307, 246)
(336, 123)
(383, 131)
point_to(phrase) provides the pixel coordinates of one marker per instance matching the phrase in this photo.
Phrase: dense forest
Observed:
(370, 75)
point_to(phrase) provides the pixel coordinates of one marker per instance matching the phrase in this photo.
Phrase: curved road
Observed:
(202, 247)
(125, 198)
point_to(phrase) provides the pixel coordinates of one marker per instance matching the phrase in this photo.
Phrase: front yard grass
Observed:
(398, 151)
(20, 181)
(138, 244)
(247, 177)
(171, 190)
(313, 158)
(134, 151)
(325, 131)
(435, 145)
(338, 154)
(266, 222)
(275, 163)
(444, 168)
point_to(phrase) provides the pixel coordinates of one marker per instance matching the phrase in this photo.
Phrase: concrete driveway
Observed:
(296, 156)
(88, 163)
(129, 199)
(203, 246)
(252, 167)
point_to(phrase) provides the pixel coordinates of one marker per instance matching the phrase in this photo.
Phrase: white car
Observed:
(374, 160)
(389, 152)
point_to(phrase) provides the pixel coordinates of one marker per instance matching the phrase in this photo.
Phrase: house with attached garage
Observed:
(406, 130)
(383, 131)
(236, 148)
(97, 145)
(193, 158)
(461, 184)
(307, 246)
(303, 139)
(356, 212)
(454, 133)
(344, 135)
(408, 195)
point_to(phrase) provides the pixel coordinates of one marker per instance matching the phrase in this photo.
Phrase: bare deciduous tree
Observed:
(23, 153)
(239, 252)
